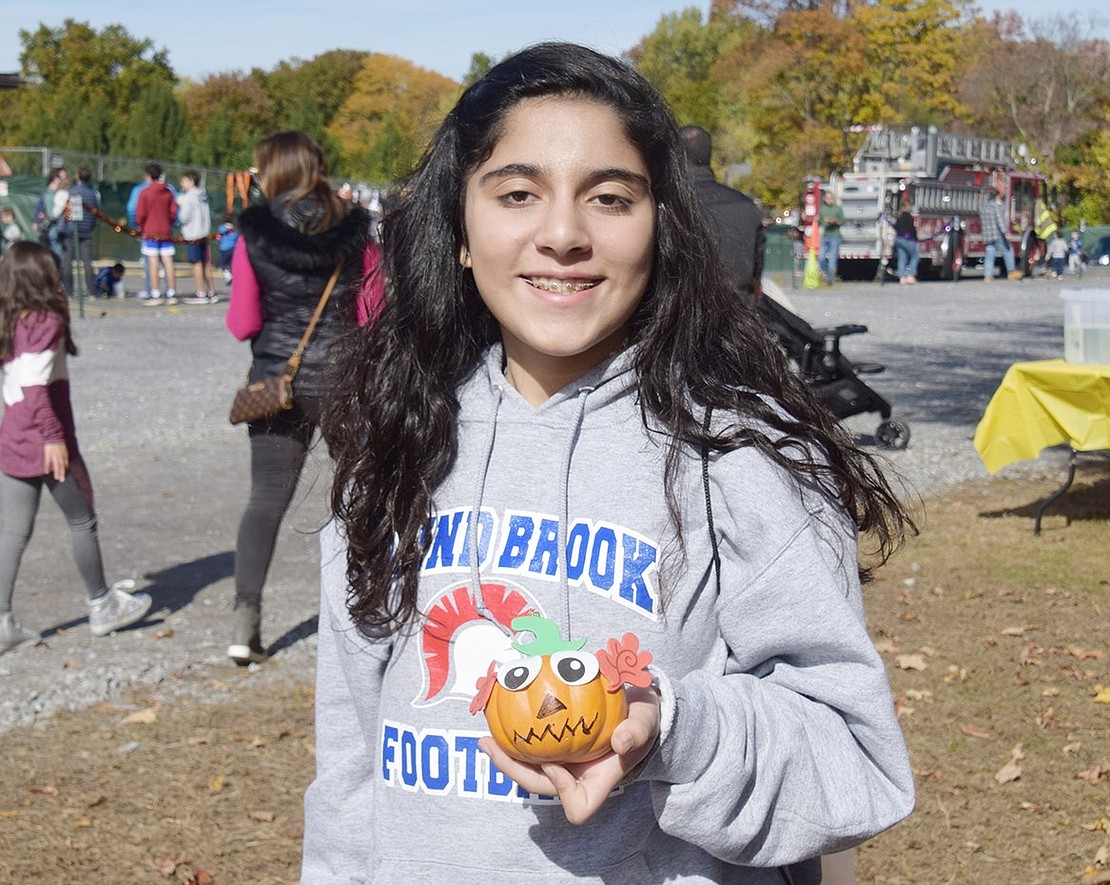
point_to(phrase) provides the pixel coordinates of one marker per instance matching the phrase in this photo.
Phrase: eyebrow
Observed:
(529, 170)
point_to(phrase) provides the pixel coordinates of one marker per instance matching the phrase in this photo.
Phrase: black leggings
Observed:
(278, 449)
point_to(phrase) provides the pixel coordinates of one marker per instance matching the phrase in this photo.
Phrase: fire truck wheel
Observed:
(1030, 249)
(953, 267)
(892, 435)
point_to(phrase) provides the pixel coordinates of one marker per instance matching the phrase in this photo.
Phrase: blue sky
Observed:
(436, 34)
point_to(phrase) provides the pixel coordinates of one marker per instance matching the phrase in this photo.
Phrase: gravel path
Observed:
(151, 390)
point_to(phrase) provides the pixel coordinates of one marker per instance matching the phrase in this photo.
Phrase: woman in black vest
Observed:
(287, 250)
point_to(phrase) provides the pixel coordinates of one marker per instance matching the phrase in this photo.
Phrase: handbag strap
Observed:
(294, 362)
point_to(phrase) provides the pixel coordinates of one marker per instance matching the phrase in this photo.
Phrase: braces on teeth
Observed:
(563, 286)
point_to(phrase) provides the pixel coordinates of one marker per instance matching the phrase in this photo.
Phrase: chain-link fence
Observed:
(113, 178)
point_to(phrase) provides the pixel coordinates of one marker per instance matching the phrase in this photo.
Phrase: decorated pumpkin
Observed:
(558, 703)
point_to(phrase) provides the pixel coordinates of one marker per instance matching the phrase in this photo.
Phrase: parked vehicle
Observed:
(946, 177)
(1100, 252)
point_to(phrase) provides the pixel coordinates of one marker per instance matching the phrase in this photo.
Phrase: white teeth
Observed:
(549, 284)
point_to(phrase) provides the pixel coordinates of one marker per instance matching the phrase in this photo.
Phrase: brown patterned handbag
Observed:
(268, 396)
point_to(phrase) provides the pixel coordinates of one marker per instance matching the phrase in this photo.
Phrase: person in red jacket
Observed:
(155, 215)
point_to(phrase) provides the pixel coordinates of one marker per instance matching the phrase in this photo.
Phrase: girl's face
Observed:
(560, 232)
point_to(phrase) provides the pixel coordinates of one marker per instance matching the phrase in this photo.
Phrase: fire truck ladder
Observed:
(928, 150)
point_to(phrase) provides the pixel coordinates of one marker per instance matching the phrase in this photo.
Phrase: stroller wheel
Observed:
(892, 435)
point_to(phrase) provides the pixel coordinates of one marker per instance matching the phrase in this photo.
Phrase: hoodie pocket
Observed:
(392, 870)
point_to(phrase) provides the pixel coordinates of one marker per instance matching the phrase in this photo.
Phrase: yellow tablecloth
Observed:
(1041, 404)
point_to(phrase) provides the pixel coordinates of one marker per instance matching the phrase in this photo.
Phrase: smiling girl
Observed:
(564, 411)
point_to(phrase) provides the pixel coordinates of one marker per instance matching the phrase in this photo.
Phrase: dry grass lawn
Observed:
(996, 642)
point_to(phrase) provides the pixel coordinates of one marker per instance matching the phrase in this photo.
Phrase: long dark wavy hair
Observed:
(391, 424)
(30, 281)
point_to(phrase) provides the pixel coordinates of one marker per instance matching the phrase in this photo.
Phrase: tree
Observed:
(306, 95)
(78, 77)
(678, 58)
(156, 125)
(480, 65)
(390, 115)
(227, 113)
(1046, 85)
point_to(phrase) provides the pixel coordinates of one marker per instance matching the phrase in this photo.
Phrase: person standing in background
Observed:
(733, 215)
(905, 243)
(49, 208)
(76, 236)
(992, 221)
(831, 219)
(196, 226)
(288, 248)
(155, 214)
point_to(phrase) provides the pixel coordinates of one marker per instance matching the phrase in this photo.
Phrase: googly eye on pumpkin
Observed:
(574, 667)
(519, 674)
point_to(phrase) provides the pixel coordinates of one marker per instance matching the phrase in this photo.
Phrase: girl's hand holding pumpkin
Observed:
(583, 787)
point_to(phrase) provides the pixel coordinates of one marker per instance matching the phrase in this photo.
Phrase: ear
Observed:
(464, 256)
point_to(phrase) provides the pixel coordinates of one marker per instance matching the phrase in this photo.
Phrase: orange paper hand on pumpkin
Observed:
(624, 662)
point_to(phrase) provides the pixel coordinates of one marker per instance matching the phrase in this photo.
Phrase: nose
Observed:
(563, 229)
(549, 706)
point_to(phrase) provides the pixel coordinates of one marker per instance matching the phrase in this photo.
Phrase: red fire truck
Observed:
(946, 177)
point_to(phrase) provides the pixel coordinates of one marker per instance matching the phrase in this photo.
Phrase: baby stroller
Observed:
(815, 354)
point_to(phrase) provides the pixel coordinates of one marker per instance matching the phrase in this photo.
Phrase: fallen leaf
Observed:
(161, 634)
(1102, 695)
(200, 877)
(46, 790)
(263, 817)
(1083, 654)
(1047, 717)
(1031, 655)
(1011, 771)
(216, 783)
(167, 866)
(1074, 747)
(9, 814)
(71, 665)
(83, 822)
(1050, 692)
(1015, 631)
(77, 846)
(1101, 825)
(920, 694)
(954, 673)
(886, 646)
(142, 717)
(1091, 876)
(911, 662)
(975, 732)
(1094, 775)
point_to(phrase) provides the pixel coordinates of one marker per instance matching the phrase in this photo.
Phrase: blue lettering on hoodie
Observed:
(602, 557)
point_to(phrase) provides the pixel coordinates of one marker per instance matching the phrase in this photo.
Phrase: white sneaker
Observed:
(13, 633)
(171, 297)
(117, 608)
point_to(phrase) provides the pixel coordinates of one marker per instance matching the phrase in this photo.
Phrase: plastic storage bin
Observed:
(1086, 325)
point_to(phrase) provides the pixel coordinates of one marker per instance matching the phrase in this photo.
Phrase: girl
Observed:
(563, 409)
(38, 443)
(283, 258)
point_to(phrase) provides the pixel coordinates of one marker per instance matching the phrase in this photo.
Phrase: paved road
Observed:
(151, 390)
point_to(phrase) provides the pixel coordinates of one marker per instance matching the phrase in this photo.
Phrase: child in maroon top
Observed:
(38, 443)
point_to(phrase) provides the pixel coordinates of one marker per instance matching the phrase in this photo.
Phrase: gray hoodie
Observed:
(193, 213)
(779, 740)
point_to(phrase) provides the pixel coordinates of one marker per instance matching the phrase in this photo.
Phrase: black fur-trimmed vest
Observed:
(292, 269)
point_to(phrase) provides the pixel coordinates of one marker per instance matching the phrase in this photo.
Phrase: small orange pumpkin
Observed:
(558, 704)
